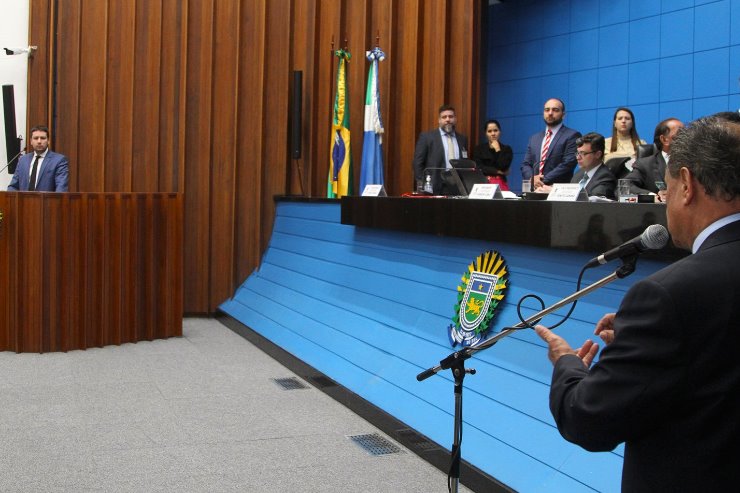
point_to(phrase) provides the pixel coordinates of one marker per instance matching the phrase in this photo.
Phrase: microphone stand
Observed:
(456, 361)
(13, 159)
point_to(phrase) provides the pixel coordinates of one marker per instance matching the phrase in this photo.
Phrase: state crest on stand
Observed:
(479, 294)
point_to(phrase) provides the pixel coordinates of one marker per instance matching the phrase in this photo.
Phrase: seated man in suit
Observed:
(649, 171)
(551, 154)
(435, 148)
(41, 170)
(593, 176)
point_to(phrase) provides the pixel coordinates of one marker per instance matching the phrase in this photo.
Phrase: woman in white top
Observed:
(624, 139)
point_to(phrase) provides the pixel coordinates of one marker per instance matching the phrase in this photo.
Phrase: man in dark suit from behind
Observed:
(667, 382)
(435, 148)
(648, 171)
(41, 170)
(551, 153)
(594, 177)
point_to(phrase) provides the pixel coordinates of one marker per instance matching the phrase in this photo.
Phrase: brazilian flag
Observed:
(340, 169)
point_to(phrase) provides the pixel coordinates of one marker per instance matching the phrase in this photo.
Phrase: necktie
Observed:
(583, 181)
(32, 180)
(450, 149)
(545, 148)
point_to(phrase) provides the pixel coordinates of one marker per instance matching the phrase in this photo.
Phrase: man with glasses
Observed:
(593, 176)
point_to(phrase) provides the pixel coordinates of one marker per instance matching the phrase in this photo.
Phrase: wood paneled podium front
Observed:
(81, 270)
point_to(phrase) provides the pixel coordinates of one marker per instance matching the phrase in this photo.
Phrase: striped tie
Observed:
(545, 148)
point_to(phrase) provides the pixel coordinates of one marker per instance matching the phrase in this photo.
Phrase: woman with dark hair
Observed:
(624, 140)
(493, 157)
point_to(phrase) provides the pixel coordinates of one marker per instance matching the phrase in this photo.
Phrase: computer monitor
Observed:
(460, 181)
(462, 163)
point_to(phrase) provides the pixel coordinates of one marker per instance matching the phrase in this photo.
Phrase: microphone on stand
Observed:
(10, 161)
(654, 237)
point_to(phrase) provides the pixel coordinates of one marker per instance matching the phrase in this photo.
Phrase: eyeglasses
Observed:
(581, 153)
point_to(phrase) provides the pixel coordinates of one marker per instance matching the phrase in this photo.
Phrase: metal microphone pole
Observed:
(456, 360)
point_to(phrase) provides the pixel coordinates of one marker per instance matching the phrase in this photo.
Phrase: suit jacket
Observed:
(54, 175)
(602, 183)
(669, 384)
(561, 157)
(430, 153)
(645, 172)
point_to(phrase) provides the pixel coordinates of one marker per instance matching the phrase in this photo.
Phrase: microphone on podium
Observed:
(654, 237)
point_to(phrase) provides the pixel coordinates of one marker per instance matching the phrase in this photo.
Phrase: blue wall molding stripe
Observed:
(369, 308)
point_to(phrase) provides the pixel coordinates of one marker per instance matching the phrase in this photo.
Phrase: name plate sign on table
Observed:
(567, 192)
(486, 191)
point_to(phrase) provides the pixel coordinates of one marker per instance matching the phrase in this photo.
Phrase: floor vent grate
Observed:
(291, 383)
(375, 444)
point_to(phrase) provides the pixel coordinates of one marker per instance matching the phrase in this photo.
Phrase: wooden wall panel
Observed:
(119, 95)
(66, 136)
(91, 131)
(193, 96)
(173, 63)
(40, 65)
(224, 157)
(250, 144)
(329, 35)
(277, 75)
(147, 67)
(197, 151)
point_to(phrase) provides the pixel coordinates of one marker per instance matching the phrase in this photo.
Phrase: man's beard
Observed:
(449, 128)
(555, 123)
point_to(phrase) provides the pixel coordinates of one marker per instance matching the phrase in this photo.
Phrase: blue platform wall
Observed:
(669, 58)
(370, 308)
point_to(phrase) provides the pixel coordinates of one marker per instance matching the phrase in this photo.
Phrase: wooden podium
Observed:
(81, 270)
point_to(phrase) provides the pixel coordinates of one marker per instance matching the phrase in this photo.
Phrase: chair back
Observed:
(645, 150)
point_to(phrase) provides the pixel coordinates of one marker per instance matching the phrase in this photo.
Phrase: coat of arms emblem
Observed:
(479, 294)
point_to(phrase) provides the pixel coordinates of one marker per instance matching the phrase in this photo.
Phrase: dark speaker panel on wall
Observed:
(12, 141)
(295, 114)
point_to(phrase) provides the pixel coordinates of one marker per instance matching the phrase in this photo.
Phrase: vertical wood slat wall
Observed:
(193, 97)
(89, 270)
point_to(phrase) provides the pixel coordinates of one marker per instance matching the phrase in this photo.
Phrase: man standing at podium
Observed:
(668, 382)
(41, 170)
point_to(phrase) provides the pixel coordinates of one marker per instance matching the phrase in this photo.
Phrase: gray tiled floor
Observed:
(197, 413)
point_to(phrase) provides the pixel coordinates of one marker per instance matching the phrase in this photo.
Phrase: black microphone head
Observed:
(654, 237)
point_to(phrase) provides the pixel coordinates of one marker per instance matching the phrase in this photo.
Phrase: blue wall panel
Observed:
(370, 308)
(662, 58)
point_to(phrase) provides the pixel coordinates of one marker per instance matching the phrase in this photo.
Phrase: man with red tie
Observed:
(551, 154)
(41, 170)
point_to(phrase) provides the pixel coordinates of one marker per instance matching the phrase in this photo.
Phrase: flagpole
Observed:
(332, 76)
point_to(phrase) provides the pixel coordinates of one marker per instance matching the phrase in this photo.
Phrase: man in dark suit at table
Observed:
(551, 154)
(648, 171)
(41, 170)
(435, 148)
(593, 176)
(668, 381)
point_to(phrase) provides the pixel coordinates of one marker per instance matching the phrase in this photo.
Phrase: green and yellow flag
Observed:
(340, 168)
